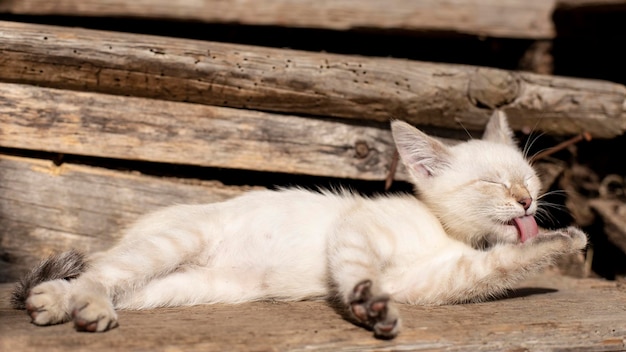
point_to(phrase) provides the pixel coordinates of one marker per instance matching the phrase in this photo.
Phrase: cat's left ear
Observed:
(498, 130)
(423, 155)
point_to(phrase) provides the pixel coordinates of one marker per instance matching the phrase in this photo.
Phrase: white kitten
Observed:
(469, 237)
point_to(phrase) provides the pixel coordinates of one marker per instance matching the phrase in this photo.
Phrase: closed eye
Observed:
(527, 180)
(504, 185)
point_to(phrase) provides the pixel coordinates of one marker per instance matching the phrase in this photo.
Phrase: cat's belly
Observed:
(292, 272)
(234, 284)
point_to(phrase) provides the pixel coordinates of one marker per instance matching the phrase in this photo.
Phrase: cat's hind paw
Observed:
(47, 303)
(94, 314)
(374, 311)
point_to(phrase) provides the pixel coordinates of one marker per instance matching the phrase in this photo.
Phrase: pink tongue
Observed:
(527, 227)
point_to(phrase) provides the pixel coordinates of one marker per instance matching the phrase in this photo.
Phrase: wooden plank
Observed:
(300, 82)
(142, 129)
(46, 208)
(552, 314)
(495, 18)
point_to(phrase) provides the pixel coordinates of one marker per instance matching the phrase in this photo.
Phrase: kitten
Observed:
(468, 236)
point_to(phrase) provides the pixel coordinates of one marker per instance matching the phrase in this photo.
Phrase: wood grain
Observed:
(550, 314)
(495, 18)
(298, 82)
(46, 208)
(181, 133)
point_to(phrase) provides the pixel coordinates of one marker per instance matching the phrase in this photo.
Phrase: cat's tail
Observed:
(67, 265)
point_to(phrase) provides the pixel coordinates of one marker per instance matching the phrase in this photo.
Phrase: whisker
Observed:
(554, 206)
(532, 139)
(542, 202)
(534, 157)
(530, 142)
(545, 216)
(464, 129)
(583, 136)
(557, 192)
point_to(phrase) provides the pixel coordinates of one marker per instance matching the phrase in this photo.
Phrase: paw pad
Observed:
(374, 310)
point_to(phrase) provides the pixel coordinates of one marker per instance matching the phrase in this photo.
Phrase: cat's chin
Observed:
(509, 234)
(499, 234)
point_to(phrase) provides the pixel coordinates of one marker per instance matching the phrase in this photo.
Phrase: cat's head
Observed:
(483, 191)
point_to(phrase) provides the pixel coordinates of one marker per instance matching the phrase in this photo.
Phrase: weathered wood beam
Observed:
(46, 208)
(132, 128)
(495, 18)
(300, 82)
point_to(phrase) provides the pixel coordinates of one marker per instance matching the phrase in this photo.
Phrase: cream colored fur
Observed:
(295, 244)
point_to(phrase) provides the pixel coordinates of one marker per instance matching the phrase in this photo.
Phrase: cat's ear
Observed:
(423, 155)
(498, 130)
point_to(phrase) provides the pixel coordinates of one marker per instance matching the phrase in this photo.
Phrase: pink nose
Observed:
(525, 202)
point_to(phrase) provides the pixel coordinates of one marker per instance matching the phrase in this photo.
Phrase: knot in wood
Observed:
(492, 88)
(361, 149)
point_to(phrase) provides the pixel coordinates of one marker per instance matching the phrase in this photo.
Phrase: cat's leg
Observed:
(197, 285)
(355, 269)
(147, 252)
(497, 269)
(48, 303)
(374, 309)
(126, 269)
(91, 303)
(59, 301)
(86, 300)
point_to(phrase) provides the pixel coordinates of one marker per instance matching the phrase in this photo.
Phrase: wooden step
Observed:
(546, 314)
(110, 126)
(48, 209)
(306, 83)
(509, 18)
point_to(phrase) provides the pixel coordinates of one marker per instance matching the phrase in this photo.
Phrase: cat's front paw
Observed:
(93, 313)
(47, 303)
(374, 311)
(569, 239)
(578, 237)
